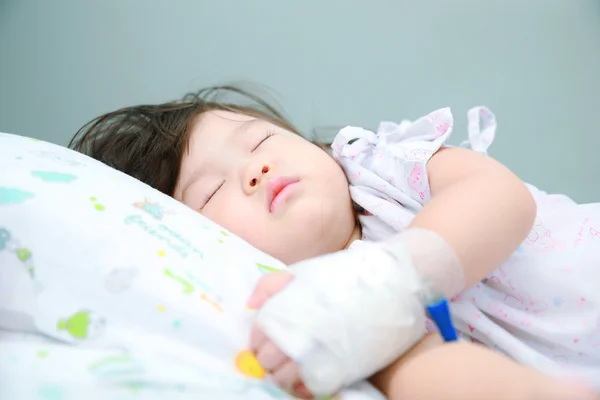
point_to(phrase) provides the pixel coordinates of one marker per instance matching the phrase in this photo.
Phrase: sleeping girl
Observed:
(373, 233)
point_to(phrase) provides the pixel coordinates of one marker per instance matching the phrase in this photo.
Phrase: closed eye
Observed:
(211, 194)
(262, 140)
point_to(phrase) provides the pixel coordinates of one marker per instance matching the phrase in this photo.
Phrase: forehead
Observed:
(218, 124)
(210, 132)
(215, 128)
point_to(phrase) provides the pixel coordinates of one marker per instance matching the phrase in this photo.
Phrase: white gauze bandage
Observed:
(349, 314)
(433, 258)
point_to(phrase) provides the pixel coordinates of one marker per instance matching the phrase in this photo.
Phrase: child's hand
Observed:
(366, 304)
(283, 370)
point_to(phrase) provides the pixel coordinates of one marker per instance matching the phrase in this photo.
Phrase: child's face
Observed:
(271, 187)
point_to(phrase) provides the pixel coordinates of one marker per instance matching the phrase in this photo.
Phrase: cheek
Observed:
(335, 200)
(239, 217)
(335, 182)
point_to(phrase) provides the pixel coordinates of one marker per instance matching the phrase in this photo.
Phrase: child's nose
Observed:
(256, 175)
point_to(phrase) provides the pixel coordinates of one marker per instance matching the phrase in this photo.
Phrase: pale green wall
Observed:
(534, 62)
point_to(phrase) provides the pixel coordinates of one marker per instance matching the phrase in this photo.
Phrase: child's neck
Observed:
(356, 235)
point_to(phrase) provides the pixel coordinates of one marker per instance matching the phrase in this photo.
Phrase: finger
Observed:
(257, 338)
(270, 356)
(266, 287)
(287, 376)
(302, 391)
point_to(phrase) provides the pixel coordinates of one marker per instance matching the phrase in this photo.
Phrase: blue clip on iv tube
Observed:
(440, 314)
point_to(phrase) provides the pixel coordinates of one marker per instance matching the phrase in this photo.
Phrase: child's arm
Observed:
(434, 370)
(480, 208)
(431, 369)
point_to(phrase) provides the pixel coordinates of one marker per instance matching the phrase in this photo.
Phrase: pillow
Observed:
(110, 289)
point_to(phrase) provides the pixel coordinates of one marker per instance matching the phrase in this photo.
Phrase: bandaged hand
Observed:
(343, 316)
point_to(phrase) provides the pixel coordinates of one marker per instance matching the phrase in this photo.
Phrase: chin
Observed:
(313, 226)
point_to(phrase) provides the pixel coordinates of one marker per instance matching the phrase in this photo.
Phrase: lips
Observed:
(276, 187)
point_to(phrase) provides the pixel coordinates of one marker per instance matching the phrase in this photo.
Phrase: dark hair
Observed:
(148, 141)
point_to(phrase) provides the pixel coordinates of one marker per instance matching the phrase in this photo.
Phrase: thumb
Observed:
(268, 286)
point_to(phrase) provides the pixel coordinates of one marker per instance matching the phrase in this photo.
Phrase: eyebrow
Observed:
(245, 126)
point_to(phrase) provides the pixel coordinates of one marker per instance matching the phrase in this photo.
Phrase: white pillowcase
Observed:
(109, 288)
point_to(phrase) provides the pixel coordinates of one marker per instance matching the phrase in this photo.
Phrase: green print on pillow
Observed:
(97, 205)
(190, 284)
(51, 176)
(187, 287)
(82, 325)
(13, 196)
(8, 242)
(153, 209)
(265, 269)
(162, 232)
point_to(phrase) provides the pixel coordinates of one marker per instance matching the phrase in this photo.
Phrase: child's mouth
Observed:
(277, 190)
